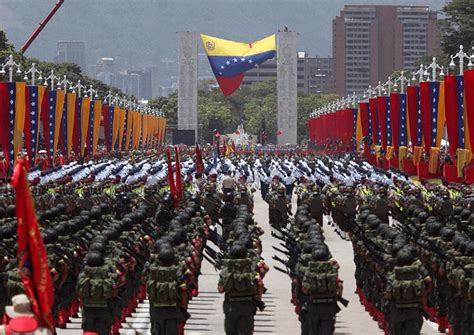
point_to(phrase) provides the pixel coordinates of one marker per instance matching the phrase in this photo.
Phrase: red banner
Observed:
(395, 113)
(469, 96)
(179, 183)
(31, 250)
(171, 180)
(451, 107)
(382, 116)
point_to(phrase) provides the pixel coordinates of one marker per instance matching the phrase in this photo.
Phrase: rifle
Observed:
(421, 241)
(287, 253)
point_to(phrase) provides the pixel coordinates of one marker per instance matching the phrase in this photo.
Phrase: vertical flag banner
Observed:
(128, 134)
(429, 95)
(230, 60)
(71, 118)
(77, 130)
(366, 125)
(382, 118)
(4, 117)
(90, 135)
(31, 129)
(19, 122)
(60, 95)
(122, 128)
(355, 113)
(414, 117)
(116, 116)
(359, 132)
(469, 107)
(63, 128)
(96, 126)
(454, 112)
(85, 114)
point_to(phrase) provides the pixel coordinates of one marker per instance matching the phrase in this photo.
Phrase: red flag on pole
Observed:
(171, 179)
(179, 184)
(33, 259)
(199, 163)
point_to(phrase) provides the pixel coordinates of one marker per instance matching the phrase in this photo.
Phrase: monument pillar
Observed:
(287, 44)
(187, 82)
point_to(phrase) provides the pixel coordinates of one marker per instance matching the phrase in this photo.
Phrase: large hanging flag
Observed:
(32, 257)
(179, 183)
(229, 60)
(58, 115)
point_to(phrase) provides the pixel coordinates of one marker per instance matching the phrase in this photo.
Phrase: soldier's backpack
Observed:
(14, 284)
(96, 285)
(162, 285)
(320, 280)
(407, 285)
(316, 204)
(238, 278)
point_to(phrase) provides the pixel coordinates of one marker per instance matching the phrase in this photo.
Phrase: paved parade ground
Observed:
(279, 316)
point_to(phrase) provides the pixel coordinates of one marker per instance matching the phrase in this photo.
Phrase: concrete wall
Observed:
(287, 48)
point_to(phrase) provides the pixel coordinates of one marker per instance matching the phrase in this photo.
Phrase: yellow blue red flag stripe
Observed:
(230, 60)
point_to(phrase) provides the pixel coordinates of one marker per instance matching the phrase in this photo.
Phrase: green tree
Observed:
(458, 26)
(210, 108)
(307, 103)
(168, 106)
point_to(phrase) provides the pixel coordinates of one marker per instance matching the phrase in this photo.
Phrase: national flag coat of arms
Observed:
(229, 60)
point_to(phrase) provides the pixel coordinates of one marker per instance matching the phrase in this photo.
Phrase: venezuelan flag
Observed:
(229, 60)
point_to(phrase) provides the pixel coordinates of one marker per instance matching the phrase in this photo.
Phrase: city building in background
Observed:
(138, 83)
(370, 42)
(314, 74)
(71, 52)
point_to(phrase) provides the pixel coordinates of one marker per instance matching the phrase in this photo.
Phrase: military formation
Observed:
(116, 234)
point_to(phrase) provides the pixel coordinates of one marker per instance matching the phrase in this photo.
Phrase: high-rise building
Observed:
(71, 52)
(145, 83)
(370, 42)
(314, 74)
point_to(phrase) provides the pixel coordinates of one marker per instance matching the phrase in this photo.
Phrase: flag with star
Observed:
(366, 124)
(76, 135)
(34, 98)
(230, 60)
(429, 100)
(414, 115)
(12, 114)
(454, 104)
(108, 115)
